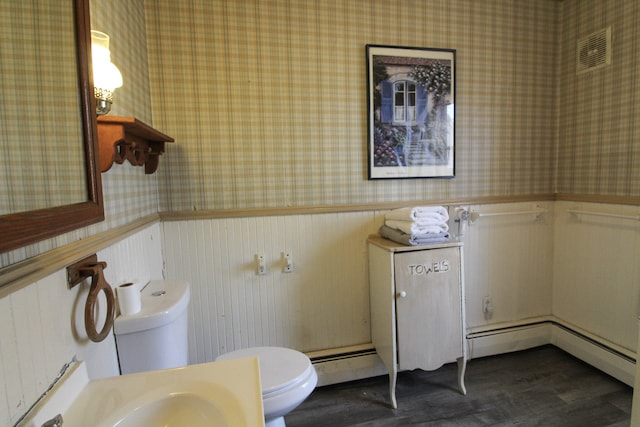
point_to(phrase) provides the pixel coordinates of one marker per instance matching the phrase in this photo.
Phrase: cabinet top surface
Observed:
(392, 246)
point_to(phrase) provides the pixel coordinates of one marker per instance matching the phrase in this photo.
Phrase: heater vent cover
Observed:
(594, 51)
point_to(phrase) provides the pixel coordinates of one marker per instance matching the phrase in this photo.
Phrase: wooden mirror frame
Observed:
(25, 228)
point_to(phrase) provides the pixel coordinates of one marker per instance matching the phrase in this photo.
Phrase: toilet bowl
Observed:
(287, 377)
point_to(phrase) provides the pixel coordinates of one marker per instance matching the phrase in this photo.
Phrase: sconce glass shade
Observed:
(106, 76)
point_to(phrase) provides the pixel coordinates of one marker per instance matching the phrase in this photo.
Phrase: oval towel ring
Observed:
(98, 283)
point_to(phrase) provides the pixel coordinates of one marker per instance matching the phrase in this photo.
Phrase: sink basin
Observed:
(223, 393)
(203, 406)
(179, 409)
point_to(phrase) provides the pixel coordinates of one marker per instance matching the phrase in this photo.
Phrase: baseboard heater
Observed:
(616, 361)
(506, 329)
(339, 365)
(597, 343)
(520, 326)
(341, 355)
(344, 364)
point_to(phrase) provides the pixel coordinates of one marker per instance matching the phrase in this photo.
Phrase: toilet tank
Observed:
(156, 336)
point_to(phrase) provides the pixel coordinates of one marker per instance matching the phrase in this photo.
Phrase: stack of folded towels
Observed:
(421, 225)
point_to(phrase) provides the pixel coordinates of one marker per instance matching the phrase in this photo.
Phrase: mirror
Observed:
(49, 181)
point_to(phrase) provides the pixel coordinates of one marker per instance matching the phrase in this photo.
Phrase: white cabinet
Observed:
(417, 307)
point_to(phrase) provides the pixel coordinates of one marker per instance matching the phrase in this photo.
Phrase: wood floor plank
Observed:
(543, 386)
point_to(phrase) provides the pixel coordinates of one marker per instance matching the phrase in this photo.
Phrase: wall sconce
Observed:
(106, 76)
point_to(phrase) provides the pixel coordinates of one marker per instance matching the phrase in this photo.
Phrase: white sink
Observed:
(177, 410)
(224, 393)
(166, 408)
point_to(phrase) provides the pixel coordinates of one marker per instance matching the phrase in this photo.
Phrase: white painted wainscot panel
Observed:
(508, 259)
(322, 304)
(41, 325)
(596, 288)
(597, 271)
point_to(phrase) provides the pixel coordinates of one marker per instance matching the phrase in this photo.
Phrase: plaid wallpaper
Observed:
(35, 92)
(267, 99)
(129, 194)
(599, 131)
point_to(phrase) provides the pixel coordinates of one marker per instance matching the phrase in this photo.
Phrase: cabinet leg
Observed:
(462, 367)
(393, 376)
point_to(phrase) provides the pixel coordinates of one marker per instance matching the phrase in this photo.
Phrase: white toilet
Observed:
(156, 336)
(287, 378)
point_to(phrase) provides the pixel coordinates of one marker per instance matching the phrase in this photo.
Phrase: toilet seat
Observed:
(280, 368)
(287, 378)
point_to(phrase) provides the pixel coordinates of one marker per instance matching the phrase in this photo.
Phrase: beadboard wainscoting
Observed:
(323, 303)
(596, 283)
(42, 324)
(596, 269)
(322, 307)
(508, 260)
(551, 276)
(578, 263)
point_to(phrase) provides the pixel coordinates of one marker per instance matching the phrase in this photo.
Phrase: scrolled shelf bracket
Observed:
(127, 138)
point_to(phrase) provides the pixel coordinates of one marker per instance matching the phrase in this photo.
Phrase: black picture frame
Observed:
(411, 112)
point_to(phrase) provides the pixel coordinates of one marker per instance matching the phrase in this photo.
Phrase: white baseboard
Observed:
(351, 368)
(499, 339)
(596, 351)
(596, 354)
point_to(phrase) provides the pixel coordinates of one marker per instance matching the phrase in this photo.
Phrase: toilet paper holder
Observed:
(81, 270)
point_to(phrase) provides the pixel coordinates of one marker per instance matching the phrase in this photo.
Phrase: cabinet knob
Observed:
(402, 294)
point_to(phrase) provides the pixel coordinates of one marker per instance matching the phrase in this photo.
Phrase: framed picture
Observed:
(411, 109)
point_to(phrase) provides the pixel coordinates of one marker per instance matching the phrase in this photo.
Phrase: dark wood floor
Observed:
(539, 387)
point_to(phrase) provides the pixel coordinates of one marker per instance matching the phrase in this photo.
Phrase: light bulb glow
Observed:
(106, 76)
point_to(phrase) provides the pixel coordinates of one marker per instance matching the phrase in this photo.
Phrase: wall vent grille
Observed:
(594, 51)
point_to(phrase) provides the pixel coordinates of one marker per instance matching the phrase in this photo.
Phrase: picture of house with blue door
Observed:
(412, 111)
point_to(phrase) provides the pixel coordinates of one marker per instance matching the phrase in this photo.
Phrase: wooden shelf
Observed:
(127, 138)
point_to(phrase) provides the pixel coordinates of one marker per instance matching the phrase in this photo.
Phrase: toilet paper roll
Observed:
(129, 299)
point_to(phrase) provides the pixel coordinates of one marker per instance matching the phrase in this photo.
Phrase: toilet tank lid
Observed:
(163, 301)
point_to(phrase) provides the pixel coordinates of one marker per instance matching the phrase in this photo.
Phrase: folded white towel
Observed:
(427, 219)
(407, 239)
(411, 227)
(412, 213)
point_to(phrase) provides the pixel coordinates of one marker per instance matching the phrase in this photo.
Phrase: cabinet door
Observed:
(428, 308)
